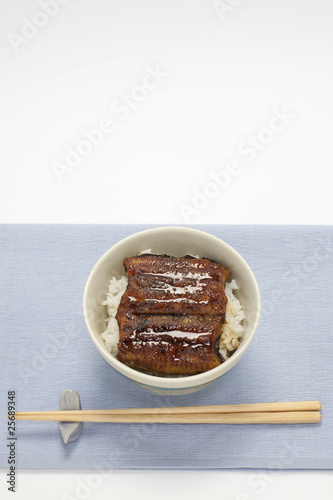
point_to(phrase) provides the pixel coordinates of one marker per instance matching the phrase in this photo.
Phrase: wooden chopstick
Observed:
(234, 408)
(283, 417)
(282, 412)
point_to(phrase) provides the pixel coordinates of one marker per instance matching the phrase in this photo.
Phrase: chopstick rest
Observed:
(70, 431)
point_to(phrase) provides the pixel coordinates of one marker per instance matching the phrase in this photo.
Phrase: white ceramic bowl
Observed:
(176, 241)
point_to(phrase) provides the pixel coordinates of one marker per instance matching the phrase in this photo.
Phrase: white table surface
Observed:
(221, 112)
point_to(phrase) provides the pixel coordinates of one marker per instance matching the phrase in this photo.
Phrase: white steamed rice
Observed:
(232, 330)
(113, 296)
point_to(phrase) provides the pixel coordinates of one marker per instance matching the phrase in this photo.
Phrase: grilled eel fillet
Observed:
(171, 314)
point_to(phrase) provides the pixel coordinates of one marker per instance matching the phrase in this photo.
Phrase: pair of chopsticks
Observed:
(299, 412)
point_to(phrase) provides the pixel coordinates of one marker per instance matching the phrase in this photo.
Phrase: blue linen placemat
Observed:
(45, 348)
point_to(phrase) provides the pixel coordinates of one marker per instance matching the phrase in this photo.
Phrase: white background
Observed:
(225, 72)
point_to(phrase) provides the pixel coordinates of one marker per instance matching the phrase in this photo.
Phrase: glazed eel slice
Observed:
(169, 344)
(174, 266)
(170, 285)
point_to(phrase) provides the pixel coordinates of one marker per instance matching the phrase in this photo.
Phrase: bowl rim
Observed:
(173, 383)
